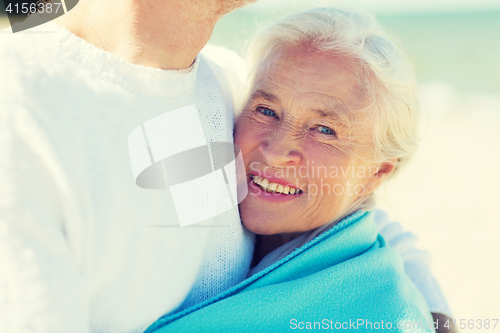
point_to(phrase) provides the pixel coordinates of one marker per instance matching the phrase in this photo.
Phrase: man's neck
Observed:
(165, 34)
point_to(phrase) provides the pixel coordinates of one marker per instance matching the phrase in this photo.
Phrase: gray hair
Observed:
(384, 70)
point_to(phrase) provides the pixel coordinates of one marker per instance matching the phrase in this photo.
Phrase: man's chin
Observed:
(226, 6)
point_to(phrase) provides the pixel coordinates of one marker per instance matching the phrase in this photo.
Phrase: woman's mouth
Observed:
(271, 187)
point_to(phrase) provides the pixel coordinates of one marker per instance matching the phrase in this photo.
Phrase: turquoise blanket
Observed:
(345, 279)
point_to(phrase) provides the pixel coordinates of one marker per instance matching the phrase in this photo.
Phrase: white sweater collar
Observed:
(151, 81)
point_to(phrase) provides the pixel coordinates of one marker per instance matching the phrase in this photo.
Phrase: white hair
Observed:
(384, 70)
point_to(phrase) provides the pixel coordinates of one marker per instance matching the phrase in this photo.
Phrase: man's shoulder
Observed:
(25, 51)
(13, 49)
(225, 59)
(229, 65)
(29, 63)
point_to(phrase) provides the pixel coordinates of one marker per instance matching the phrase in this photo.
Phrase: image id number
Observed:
(31, 8)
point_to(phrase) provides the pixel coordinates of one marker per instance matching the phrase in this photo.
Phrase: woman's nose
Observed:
(280, 151)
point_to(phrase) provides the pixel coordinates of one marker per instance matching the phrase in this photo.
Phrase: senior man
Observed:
(82, 247)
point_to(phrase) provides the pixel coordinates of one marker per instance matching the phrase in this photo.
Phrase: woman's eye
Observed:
(266, 112)
(326, 130)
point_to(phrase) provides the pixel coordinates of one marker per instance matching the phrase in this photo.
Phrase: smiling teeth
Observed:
(273, 187)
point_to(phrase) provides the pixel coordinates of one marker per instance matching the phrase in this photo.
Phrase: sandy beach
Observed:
(449, 198)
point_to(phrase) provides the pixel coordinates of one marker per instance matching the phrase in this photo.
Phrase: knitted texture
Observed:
(82, 247)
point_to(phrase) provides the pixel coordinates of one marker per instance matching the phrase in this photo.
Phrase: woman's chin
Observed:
(258, 224)
(258, 228)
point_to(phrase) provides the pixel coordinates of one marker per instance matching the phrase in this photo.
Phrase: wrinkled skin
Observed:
(303, 115)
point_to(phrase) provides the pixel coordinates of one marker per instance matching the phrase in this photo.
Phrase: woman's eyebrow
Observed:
(341, 114)
(325, 113)
(265, 95)
(341, 119)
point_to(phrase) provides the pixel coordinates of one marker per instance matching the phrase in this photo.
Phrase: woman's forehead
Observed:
(317, 75)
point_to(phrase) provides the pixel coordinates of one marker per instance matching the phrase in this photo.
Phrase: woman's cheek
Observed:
(244, 139)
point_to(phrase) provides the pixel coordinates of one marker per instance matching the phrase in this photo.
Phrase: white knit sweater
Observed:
(82, 247)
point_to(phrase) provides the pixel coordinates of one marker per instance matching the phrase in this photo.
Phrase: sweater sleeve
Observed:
(41, 287)
(416, 263)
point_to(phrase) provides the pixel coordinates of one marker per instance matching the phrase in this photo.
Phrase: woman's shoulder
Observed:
(345, 275)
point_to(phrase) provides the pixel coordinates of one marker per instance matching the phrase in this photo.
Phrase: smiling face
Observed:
(300, 134)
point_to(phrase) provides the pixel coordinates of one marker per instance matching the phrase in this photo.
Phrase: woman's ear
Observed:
(379, 174)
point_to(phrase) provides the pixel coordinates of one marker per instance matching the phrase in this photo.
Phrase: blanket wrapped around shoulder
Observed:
(345, 279)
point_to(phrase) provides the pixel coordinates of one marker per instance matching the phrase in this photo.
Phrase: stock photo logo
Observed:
(26, 14)
(204, 179)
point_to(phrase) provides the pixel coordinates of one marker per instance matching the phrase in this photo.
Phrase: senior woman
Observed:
(331, 115)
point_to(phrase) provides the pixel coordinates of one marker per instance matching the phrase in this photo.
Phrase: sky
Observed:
(392, 6)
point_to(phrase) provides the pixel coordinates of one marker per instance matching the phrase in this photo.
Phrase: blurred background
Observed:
(449, 196)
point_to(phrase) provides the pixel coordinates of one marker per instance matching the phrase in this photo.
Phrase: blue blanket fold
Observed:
(346, 276)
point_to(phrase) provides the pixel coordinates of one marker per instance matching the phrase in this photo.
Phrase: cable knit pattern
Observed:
(82, 248)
